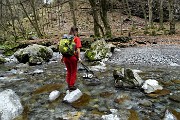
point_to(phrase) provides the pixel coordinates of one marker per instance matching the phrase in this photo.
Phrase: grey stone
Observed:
(10, 105)
(34, 54)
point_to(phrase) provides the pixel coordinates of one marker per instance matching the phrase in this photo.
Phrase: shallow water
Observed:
(33, 88)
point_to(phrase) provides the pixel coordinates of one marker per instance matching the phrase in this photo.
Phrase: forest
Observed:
(20, 20)
(124, 62)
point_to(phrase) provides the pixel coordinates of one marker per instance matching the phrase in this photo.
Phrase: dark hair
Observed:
(72, 30)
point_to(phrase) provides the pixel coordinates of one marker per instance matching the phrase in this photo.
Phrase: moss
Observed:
(47, 88)
(43, 53)
(81, 102)
(158, 93)
(97, 112)
(90, 55)
(175, 113)
(105, 94)
(2, 60)
(133, 115)
(176, 81)
(10, 47)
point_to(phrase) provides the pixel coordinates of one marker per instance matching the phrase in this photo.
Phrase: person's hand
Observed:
(79, 60)
(62, 60)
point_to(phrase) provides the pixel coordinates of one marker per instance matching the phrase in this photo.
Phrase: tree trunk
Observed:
(104, 17)
(145, 15)
(128, 9)
(12, 19)
(161, 15)
(35, 18)
(32, 23)
(95, 17)
(71, 5)
(171, 17)
(150, 13)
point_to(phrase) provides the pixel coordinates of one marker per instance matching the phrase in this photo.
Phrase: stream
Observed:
(33, 85)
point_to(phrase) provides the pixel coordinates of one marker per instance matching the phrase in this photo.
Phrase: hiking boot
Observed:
(72, 88)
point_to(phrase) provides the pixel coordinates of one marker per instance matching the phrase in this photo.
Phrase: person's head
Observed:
(73, 31)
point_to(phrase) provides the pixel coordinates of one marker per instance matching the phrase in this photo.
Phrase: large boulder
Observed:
(98, 51)
(127, 78)
(34, 54)
(10, 105)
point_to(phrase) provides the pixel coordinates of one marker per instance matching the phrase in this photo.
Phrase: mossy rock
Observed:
(90, 55)
(98, 51)
(2, 60)
(35, 52)
(34, 60)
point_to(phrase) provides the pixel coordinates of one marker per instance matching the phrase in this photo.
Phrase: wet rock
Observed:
(106, 94)
(37, 71)
(33, 53)
(151, 85)
(35, 60)
(10, 105)
(92, 82)
(175, 97)
(2, 60)
(121, 98)
(72, 96)
(113, 116)
(133, 115)
(53, 95)
(176, 81)
(11, 59)
(145, 103)
(158, 93)
(133, 77)
(127, 78)
(169, 116)
(98, 51)
(100, 67)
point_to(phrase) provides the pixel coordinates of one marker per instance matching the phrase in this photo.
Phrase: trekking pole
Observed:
(88, 70)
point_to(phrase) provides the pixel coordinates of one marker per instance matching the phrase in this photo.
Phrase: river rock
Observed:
(151, 85)
(127, 78)
(53, 95)
(145, 103)
(98, 51)
(113, 116)
(10, 105)
(2, 60)
(72, 96)
(34, 54)
(169, 116)
(175, 97)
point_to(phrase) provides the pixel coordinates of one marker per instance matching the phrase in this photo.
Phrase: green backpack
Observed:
(67, 46)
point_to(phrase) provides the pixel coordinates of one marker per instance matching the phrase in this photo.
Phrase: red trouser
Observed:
(71, 65)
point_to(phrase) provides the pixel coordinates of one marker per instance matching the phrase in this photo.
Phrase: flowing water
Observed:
(34, 83)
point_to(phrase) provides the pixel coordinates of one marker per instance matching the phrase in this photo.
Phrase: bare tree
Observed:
(95, 17)
(33, 22)
(145, 15)
(104, 17)
(161, 15)
(171, 17)
(12, 19)
(72, 9)
(150, 13)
